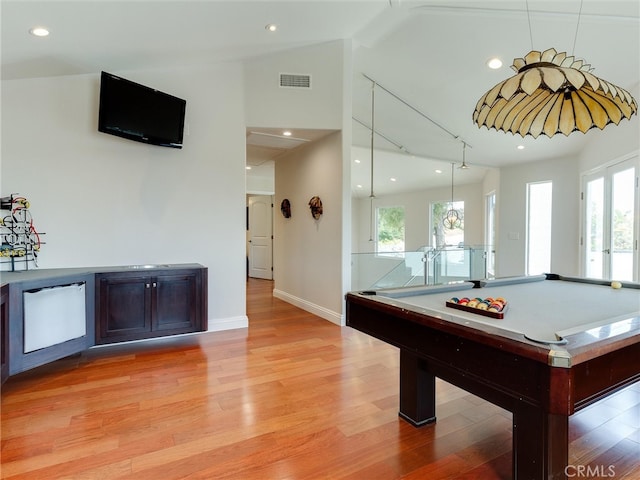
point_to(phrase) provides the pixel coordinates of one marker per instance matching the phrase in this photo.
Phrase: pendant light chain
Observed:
(452, 218)
(373, 130)
(529, 20)
(373, 103)
(452, 165)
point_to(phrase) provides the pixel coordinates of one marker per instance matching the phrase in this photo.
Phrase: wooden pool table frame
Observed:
(505, 369)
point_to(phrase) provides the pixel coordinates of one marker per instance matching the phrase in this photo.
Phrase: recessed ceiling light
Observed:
(248, 167)
(39, 31)
(494, 63)
(271, 27)
(520, 147)
(392, 179)
(438, 171)
(286, 133)
(357, 161)
(359, 186)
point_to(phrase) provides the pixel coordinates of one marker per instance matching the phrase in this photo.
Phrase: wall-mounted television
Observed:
(143, 114)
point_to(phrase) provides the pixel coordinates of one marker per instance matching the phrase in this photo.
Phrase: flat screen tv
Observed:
(143, 114)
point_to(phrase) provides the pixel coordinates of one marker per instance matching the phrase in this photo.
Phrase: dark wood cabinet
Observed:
(132, 305)
(50, 314)
(123, 307)
(175, 307)
(4, 333)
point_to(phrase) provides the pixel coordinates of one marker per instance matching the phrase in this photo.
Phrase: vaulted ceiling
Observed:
(427, 59)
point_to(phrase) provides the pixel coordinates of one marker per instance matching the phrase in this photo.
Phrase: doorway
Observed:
(260, 236)
(611, 213)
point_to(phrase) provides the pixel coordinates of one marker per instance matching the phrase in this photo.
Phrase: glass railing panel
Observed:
(387, 270)
(428, 266)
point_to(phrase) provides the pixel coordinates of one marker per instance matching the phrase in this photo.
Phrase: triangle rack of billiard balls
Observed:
(488, 307)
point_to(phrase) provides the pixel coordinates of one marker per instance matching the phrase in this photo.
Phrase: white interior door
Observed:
(261, 237)
(611, 212)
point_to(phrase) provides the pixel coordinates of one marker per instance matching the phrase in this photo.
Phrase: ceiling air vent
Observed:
(294, 80)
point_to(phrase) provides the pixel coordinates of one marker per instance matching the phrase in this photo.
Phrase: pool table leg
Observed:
(540, 444)
(417, 390)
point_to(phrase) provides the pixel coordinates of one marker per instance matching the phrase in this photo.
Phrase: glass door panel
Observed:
(622, 223)
(611, 225)
(594, 228)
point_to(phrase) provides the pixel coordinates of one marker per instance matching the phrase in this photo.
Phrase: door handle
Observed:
(606, 250)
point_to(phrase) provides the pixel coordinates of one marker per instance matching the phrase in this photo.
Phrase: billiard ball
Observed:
(615, 284)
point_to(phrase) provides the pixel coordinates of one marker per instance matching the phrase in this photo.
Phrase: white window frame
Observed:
(606, 172)
(377, 237)
(530, 231)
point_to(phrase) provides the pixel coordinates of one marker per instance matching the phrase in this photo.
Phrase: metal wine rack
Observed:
(19, 240)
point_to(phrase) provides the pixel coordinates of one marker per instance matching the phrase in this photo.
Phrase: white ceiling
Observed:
(429, 53)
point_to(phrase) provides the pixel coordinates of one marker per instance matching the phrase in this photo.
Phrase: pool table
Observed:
(562, 344)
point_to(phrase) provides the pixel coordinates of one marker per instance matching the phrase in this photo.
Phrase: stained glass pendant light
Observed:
(552, 93)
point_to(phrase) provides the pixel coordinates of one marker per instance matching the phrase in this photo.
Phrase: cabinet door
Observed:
(176, 303)
(125, 308)
(4, 333)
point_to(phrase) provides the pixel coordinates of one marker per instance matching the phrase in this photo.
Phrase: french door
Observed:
(611, 212)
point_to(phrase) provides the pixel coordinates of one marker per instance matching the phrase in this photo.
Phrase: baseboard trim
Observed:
(307, 306)
(230, 323)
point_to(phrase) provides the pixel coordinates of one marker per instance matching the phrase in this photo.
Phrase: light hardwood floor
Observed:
(291, 397)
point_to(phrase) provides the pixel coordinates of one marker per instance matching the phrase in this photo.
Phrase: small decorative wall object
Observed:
(285, 208)
(315, 204)
(19, 239)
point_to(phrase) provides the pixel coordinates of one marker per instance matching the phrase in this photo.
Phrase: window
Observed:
(449, 262)
(490, 234)
(539, 227)
(444, 236)
(623, 187)
(390, 231)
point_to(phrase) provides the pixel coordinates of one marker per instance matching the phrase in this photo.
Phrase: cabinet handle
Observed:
(155, 284)
(147, 285)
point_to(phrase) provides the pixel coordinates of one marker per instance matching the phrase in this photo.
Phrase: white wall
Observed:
(260, 185)
(307, 252)
(103, 200)
(320, 107)
(311, 268)
(511, 231)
